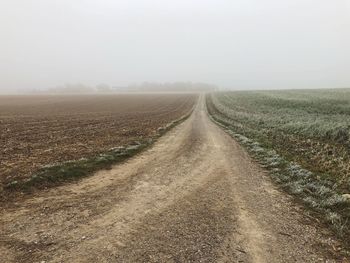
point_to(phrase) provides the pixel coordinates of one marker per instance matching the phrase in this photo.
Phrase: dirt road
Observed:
(195, 196)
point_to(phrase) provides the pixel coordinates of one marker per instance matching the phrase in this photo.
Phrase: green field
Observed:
(303, 136)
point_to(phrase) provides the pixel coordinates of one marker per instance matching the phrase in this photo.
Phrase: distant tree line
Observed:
(143, 87)
(171, 87)
(76, 89)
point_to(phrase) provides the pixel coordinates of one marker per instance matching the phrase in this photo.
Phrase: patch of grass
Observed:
(311, 128)
(318, 191)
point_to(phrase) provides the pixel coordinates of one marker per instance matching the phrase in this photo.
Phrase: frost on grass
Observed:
(315, 193)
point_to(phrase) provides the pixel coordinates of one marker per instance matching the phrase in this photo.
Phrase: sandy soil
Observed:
(195, 196)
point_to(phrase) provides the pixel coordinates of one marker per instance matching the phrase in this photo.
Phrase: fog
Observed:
(242, 44)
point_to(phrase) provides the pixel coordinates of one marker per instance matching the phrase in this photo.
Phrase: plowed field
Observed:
(42, 130)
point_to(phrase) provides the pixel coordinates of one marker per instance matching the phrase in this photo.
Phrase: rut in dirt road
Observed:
(195, 196)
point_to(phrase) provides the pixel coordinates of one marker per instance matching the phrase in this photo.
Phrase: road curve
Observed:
(195, 196)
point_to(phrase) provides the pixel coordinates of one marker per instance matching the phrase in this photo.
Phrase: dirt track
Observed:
(195, 196)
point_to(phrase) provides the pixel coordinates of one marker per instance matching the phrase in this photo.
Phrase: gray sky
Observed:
(231, 43)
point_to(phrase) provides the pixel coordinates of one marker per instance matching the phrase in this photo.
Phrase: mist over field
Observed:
(244, 44)
(175, 131)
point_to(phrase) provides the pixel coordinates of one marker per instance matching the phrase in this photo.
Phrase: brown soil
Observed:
(41, 130)
(195, 196)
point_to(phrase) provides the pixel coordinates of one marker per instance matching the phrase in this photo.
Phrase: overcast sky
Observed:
(231, 43)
